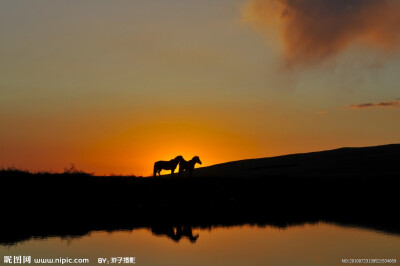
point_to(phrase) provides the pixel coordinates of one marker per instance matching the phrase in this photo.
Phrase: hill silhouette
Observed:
(343, 162)
(348, 186)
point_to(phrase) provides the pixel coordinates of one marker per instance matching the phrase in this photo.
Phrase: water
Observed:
(309, 244)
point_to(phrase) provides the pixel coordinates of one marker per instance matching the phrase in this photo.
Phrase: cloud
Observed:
(315, 30)
(381, 104)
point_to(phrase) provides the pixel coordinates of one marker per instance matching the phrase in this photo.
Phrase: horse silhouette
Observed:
(176, 233)
(188, 166)
(167, 165)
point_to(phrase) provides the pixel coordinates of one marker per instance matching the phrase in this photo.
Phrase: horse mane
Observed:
(178, 159)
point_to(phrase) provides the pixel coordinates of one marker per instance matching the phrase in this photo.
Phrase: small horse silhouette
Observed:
(188, 166)
(176, 233)
(167, 165)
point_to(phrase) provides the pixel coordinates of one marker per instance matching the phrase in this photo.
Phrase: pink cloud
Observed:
(314, 30)
(393, 104)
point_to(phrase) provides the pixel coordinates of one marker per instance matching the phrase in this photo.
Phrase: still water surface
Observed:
(309, 244)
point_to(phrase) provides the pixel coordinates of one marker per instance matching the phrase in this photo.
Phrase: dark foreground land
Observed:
(350, 186)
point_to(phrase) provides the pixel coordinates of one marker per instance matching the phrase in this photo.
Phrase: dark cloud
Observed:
(381, 104)
(314, 30)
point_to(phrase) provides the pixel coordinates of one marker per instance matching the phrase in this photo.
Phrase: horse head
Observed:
(196, 159)
(179, 158)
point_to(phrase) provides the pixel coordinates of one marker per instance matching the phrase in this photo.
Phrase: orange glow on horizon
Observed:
(113, 89)
(134, 150)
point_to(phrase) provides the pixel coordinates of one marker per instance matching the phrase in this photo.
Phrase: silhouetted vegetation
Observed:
(74, 202)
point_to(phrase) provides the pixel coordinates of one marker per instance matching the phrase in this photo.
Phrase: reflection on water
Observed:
(175, 232)
(308, 244)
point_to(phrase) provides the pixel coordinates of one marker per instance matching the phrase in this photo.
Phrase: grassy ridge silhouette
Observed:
(361, 191)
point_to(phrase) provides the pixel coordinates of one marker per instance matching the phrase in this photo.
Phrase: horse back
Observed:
(185, 165)
(167, 165)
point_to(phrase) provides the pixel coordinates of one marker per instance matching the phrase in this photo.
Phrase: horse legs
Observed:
(180, 170)
(172, 171)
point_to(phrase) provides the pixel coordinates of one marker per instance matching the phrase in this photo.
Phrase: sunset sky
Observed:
(113, 86)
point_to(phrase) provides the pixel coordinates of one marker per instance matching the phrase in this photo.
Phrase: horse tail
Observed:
(155, 169)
